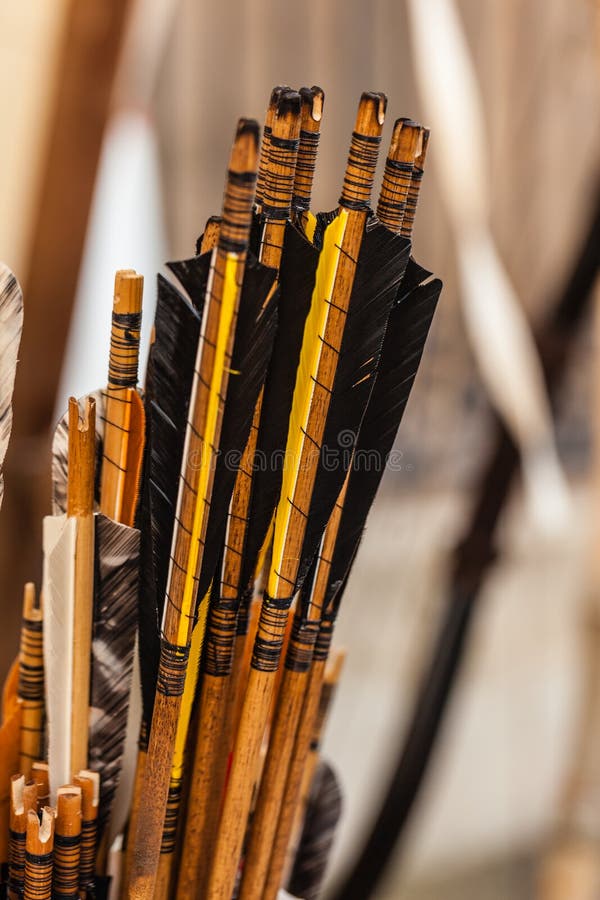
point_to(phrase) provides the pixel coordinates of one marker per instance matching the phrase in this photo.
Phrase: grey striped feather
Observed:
(11, 326)
(115, 621)
(318, 834)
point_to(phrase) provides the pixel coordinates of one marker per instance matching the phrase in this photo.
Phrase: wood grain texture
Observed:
(89, 783)
(326, 694)
(215, 720)
(291, 697)
(279, 175)
(38, 855)
(285, 822)
(193, 505)
(67, 843)
(319, 692)
(122, 381)
(23, 798)
(313, 101)
(77, 114)
(9, 751)
(354, 202)
(397, 175)
(206, 243)
(40, 774)
(414, 188)
(80, 505)
(31, 682)
(265, 146)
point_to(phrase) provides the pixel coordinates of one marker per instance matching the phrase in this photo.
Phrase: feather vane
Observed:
(296, 278)
(407, 330)
(379, 274)
(169, 381)
(11, 326)
(323, 814)
(255, 334)
(115, 622)
(304, 391)
(60, 535)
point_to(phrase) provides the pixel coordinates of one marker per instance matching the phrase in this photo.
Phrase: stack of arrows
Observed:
(203, 533)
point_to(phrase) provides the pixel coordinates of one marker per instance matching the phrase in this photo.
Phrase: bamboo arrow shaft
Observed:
(202, 436)
(285, 819)
(392, 202)
(38, 855)
(295, 800)
(214, 733)
(279, 177)
(289, 709)
(80, 504)
(335, 277)
(41, 776)
(266, 145)
(89, 783)
(31, 682)
(278, 185)
(305, 733)
(310, 134)
(397, 175)
(23, 798)
(290, 522)
(122, 381)
(172, 827)
(208, 243)
(67, 843)
(312, 711)
(412, 198)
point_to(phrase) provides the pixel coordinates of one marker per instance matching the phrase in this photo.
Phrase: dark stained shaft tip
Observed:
(290, 103)
(379, 102)
(248, 127)
(407, 121)
(276, 93)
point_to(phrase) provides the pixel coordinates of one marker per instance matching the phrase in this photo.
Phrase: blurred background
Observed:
(118, 115)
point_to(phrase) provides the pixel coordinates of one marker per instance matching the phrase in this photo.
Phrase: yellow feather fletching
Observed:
(228, 308)
(189, 690)
(308, 368)
(310, 224)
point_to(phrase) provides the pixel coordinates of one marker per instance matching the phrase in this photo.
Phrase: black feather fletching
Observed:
(256, 230)
(381, 266)
(406, 334)
(116, 587)
(323, 219)
(170, 376)
(168, 384)
(296, 280)
(254, 336)
(323, 812)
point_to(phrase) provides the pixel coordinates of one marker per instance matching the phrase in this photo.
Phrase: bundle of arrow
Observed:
(203, 534)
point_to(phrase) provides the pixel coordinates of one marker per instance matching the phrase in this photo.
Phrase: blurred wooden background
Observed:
(537, 62)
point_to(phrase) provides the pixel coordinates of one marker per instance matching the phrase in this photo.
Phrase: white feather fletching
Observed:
(60, 534)
(11, 326)
(497, 327)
